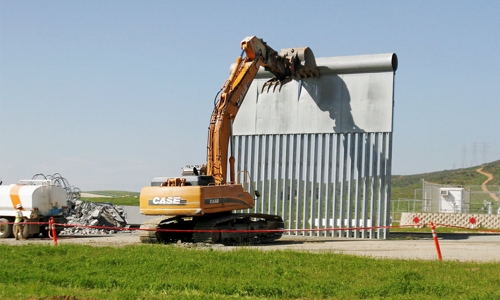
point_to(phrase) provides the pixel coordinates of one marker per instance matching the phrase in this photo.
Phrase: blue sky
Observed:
(113, 93)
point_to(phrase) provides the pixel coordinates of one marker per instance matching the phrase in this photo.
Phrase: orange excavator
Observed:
(201, 205)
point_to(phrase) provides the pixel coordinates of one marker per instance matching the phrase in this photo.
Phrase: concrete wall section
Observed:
(344, 99)
(320, 150)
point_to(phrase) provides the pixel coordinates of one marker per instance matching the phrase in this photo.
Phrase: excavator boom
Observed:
(293, 63)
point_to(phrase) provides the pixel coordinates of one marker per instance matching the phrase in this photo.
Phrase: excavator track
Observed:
(236, 228)
(227, 229)
(147, 234)
(167, 230)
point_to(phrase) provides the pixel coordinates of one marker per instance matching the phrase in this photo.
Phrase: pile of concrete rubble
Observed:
(96, 214)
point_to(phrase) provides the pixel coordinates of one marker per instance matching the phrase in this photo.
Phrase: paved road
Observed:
(454, 247)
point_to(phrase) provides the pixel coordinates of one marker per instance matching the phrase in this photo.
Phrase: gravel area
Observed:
(454, 247)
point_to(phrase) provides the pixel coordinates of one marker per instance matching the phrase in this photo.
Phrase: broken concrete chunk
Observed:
(84, 213)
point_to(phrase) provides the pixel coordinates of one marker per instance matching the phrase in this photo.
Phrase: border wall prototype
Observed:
(319, 151)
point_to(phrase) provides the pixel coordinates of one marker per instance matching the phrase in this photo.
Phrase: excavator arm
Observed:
(290, 64)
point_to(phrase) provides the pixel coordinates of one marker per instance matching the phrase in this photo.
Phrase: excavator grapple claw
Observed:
(274, 83)
(302, 62)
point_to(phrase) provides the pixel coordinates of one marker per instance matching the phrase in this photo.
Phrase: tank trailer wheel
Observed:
(26, 231)
(5, 228)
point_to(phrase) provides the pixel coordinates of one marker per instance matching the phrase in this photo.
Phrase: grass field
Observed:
(168, 272)
(116, 197)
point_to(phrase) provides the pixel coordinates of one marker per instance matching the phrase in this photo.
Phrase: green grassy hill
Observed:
(115, 194)
(115, 197)
(405, 186)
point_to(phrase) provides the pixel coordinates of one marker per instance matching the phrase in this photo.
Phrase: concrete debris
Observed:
(180, 244)
(85, 213)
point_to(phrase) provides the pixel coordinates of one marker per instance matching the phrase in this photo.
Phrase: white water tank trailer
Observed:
(40, 200)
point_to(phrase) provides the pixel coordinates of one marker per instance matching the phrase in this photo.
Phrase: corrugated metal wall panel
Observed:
(321, 180)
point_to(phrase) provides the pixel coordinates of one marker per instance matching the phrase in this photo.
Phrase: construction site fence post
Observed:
(436, 241)
(53, 228)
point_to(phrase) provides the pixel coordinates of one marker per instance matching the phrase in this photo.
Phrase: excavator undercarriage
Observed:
(224, 228)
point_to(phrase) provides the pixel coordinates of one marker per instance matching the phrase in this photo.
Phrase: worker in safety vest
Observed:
(18, 222)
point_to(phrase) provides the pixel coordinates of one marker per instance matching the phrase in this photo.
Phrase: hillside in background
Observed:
(115, 197)
(115, 194)
(404, 186)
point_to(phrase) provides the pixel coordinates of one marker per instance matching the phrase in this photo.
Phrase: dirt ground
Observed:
(454, 247)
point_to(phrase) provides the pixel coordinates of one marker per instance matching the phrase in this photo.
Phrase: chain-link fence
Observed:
(439, 198)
